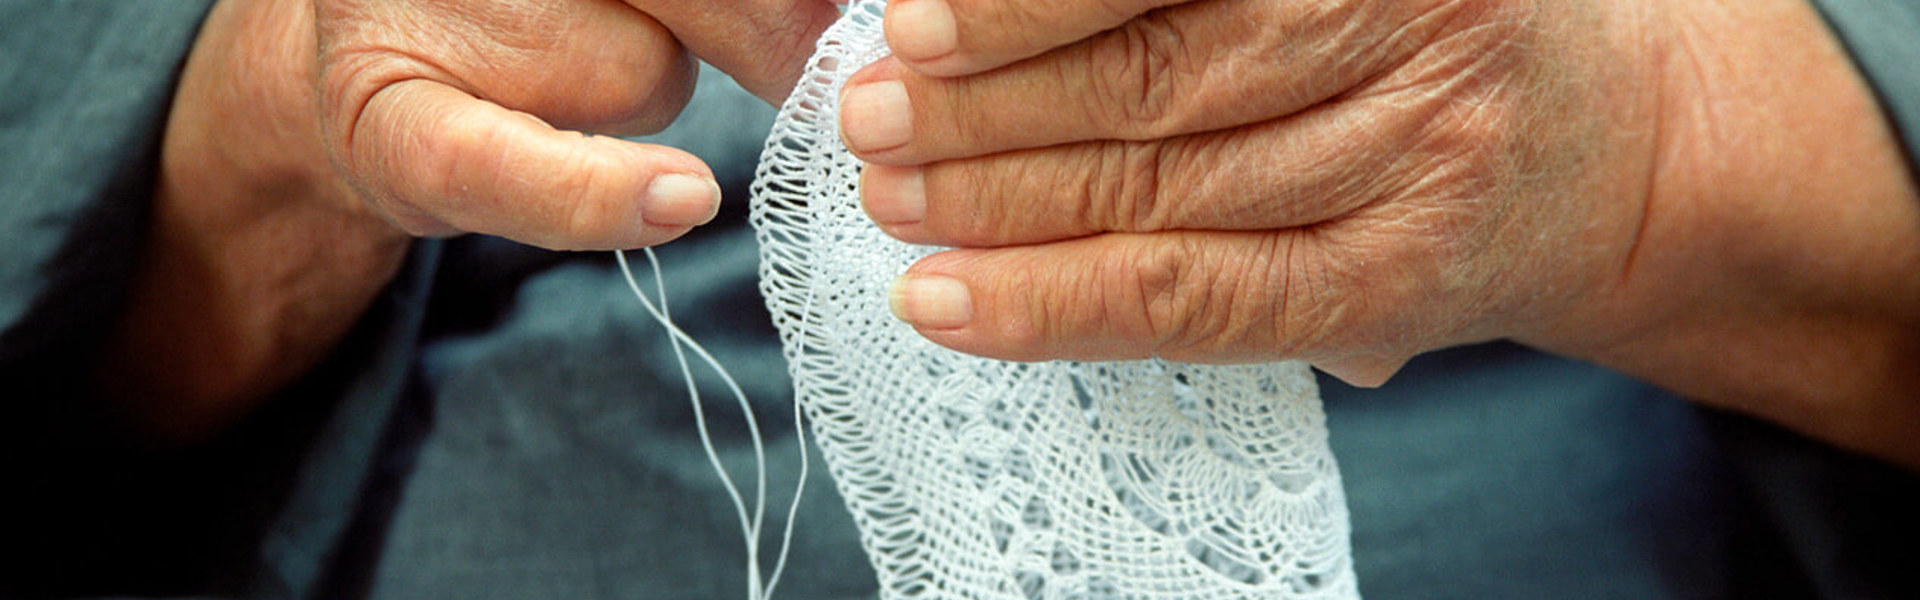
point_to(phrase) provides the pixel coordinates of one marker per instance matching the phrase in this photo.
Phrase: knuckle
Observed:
(1124, 188)
(591, 219)
(1042, 316)
(654, 85)
(451, 146)
(1166, 301)
(346, 85)
(645, 102)
(1210, 316)
(1237, 301)
(1315, 301)
(1136, 72)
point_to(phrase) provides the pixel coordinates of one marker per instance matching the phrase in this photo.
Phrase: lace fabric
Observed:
(981, 479)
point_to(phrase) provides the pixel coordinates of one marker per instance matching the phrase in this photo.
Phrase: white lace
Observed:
(980, 479)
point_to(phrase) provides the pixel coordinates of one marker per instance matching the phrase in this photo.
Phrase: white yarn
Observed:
(979, 479)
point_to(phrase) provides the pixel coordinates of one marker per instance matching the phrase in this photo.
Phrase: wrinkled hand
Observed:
(290, 181)
(463, 116)
(1347, 182)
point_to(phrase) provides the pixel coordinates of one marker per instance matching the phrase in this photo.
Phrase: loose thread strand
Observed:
(800, 487)
(751, 527)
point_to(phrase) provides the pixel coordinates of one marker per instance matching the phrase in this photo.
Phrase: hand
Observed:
(1344, 182)
(291, 182)
(1351, 183)
(462, 116)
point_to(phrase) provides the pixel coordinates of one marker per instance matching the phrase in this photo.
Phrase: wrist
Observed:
(1777, 270)
(257, 258)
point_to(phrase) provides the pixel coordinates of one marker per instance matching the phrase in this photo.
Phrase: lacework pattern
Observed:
(980, 479)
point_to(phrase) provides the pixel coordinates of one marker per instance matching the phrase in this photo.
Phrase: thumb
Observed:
(763, 44)
(441, 161)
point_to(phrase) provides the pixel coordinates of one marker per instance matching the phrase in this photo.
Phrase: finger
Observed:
(763, 44)
(587, 65)
(960, 37)
(602, 67)
(1194, 297)
(441, 160)
(1184, 69)
(1314, 167)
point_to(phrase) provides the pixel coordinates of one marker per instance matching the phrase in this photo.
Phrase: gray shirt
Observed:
(506, 423)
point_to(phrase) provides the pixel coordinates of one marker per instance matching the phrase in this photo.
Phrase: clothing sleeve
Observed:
(1883, 36)
(259, 512)
(85, 101)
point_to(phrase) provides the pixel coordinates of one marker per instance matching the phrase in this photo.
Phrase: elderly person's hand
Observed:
(1702, 194)
(465, 116)
(310, 139)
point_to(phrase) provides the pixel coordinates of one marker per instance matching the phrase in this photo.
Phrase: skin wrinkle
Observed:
(1283, 47)
(1246, 205)
(1395, 51)
(1330, 182)
(1060, 320)
(589, 220)
(1321, 301)
(653, 99)
(1454, 225)
(1157, 280)
(957, 121)
(1144, 206)
(1139, 86)
(1285, 309)
(1677, 61)
(460, 142)
(532, 28)
(643, 104)
(1087, 208)
(1555, 175)
(790, 22)
(346, 92)
(1194, 318)
(1467, 113)
(1239, 298)
(1479, 62)
(1307, 92)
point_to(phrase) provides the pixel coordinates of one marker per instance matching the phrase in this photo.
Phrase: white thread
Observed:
(750, 528)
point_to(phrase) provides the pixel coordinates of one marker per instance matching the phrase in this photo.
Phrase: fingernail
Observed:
(921, 29)
(894, 195)
(676, 199)
(876, 116)
(930, 301)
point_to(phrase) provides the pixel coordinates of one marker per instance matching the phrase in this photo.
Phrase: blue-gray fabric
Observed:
(506, 422)
(79, 156)
(1880, 34)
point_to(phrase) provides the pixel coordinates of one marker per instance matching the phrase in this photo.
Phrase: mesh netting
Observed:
(978, 479)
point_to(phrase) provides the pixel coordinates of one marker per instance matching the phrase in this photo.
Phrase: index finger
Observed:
(949, 38)
(763, 44)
